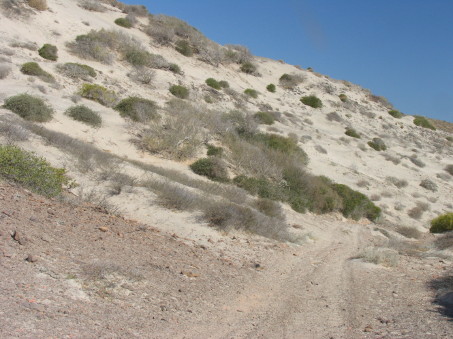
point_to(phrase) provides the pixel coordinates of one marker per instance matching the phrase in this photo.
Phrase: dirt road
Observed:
(73, 272)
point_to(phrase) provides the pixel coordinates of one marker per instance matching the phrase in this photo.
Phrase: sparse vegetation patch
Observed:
(251, 93)
(396, 114)
(123, 22)
(99, 94)
(423, 122)
(31, 171)
(442, 223)
(49, 52)
(84, 114)
(377, 144)
(29, 107)
(77, 71)
(32, 68)
(271, 88)
(351, 132)
(179, 91)
(312, 101)
(137, 109)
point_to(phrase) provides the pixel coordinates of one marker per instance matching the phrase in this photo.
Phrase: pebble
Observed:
(31, 258)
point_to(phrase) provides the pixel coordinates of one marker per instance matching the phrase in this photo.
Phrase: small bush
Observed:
(214, 151)
(312, 101)
(179, 91)
(142, 75)
(356, 204)
(123, 22)
(343, 97)
(449, 169)
(417, 211)
(400, 183)
(4, 71)
(423, 122)
(92, 5)
(213, 168)
(396, 114)
(417, 162)
(442, 223)
(289, 81)
(32, 68)
(271, 88)
(409, 232)
(448, 138)
(31, 171)
(251, 93)
(49, 52)
(84, 114)
(377, 144)
(224, 84)
(248, 68)
(77, 71)
(174, 68)
(137, 109)
(334, 116)
(40, 5)
(266, 118)
(99, 94)
(183, 47)
(29, 107)
(429, 185)
(351, 132)
(211, 82)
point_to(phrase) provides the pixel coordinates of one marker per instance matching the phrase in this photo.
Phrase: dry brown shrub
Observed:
(40, 5)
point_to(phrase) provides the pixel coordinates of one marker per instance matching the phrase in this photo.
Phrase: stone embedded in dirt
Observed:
(446, 299)
(103, 229)
(190, 274)
(368, 328)
(17, 236)
(31, 258)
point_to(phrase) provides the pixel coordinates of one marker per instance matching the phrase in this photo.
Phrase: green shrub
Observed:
(266, 118)
(343, 97)
(312, 101)
(290, 81)
(32, 68)
(356, 204)
(214, 150)
(251, 93)
(351, 132)
(123, 22)
(211, 82)
(213, 168)
(396, 114)
(179, 91)
(285, 145)
(77, 71)
(261, 187)
(29, 107)
(248, 68)
(138, 57)
(271, 88)
(224, 84)
(442, 223)
(377, 144)
(84, 114)
(137, 109)
(31, 171)
(174, 68)
(49, 52)
(449, 138)
(183, 47)
(423, 122)
(99, 94)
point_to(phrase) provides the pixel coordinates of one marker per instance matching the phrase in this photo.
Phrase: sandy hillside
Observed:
(168, 272)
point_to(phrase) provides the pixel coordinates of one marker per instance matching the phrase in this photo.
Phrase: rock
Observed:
(446, 299)
(31, 258)
(19, 238)
(368, 328)
(103, 229)
(190, 274)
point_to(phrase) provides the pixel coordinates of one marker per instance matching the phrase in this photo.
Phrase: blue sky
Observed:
(400, 49)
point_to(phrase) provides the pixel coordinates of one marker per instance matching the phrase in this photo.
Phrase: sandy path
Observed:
(305, 294)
